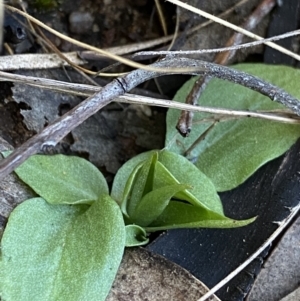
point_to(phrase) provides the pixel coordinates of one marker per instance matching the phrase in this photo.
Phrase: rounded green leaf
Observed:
(135, 236)
(63, 179)
(172, 169)
(61, 252)
(235, 149)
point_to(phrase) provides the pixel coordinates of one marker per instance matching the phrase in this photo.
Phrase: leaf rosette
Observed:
(164, 190)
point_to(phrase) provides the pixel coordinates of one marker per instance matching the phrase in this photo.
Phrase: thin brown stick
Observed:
(184, 124)
(200, 138)
(251, 22)
(234, 27)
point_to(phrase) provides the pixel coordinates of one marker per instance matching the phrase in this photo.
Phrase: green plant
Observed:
(236, 147)
(68, 243)
(76, 228)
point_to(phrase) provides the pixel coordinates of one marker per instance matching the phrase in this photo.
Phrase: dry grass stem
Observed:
(45, 61)
(176, 32)
(100, 51)
(222, 49)
(161, 17)
(234, 27)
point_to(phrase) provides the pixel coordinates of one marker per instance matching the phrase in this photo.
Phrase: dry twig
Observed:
(88, 90)
(184, 124)
(234, 27)
(53, 133)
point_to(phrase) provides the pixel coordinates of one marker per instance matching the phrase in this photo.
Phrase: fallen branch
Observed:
(88, 90)
(53, 133)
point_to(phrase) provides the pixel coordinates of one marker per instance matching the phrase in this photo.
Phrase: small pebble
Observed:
(81, 22)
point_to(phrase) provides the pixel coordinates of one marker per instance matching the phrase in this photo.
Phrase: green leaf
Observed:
(163, 178)
(180, 215)
(135, 236)
(203, 192)
(171, 169)
(142, 184)
(128, 188)
(233, 150)
(123, 174)
(154, 203)
(51, 252)
(63, 179)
